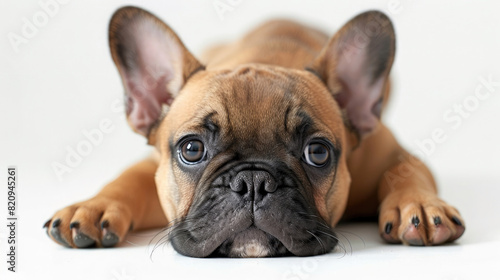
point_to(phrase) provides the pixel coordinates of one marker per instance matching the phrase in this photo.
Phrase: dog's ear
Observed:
(152, 62)
(355, 65)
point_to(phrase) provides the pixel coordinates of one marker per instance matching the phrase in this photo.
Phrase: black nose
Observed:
(253, 181)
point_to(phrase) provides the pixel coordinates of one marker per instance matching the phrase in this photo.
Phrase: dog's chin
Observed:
(251, 243)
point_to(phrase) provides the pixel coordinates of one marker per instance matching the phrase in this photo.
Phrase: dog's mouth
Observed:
(241, 239)
(251, 243)
(244, 239)
(225, 226)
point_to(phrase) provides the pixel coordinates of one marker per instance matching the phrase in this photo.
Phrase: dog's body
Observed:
(266, 147)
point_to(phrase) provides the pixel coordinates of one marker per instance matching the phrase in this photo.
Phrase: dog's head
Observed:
(252, 159)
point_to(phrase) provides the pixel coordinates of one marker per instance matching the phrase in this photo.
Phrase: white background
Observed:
(62, 81)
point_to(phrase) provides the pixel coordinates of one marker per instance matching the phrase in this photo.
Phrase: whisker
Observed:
(319, 240)
(329, 235)
(356, 235)
(348, 241)
(339, 242)
(171, 226)
(174, 229)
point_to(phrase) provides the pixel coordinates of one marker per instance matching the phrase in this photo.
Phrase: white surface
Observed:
(62, 81)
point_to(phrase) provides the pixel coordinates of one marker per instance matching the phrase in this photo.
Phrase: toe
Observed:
(109, 239)
(58, 227)
(457, 224)
(80, 239)
(389, 221)
(439, 228)
(460, 228)
(441, 235)
(412, 230)
(412, 235)
(84, 228)
(438, 225)
(115, 223)
(58, 233)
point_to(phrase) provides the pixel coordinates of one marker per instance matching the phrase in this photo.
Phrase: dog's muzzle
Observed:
(253, 210)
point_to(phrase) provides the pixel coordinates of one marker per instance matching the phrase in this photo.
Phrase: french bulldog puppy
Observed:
(262, 146)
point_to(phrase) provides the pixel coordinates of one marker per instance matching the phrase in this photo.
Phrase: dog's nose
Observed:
(256, 181)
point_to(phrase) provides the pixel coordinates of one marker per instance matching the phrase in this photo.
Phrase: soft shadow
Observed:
(353, 237)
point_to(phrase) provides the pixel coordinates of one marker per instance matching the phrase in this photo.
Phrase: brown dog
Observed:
(263, 147)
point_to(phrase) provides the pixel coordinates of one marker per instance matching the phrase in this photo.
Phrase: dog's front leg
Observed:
(411, 211)
(130, 201)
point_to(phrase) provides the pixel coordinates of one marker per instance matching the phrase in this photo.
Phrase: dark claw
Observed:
(46, 227)
(83, 241)
(47, 223)
(437, 221)
(74, 225)
(56, 234)
(388, 228)
(415, 221)
(56, 223)
(104, 224)
(456, 221)
(110, 240)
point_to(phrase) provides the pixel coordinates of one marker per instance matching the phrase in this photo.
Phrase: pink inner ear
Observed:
(149, 84)
(145, 107)
(359, 107)
(361, 93)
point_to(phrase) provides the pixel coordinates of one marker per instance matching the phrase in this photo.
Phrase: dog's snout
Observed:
(253, 181)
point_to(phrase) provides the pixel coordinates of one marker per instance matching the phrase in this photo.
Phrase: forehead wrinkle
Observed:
(208, 123)
(275, 102)
(201, 122)
(305, 125)
(254, 101)
(261, 102)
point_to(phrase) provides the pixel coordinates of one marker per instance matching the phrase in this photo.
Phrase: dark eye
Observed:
(316, 154)
(192, 151)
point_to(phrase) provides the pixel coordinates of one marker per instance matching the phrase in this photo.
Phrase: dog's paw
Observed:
(98, 222)
(419, 219)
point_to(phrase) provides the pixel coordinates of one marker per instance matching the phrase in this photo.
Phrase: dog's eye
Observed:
(316, 154)
(192, 151)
